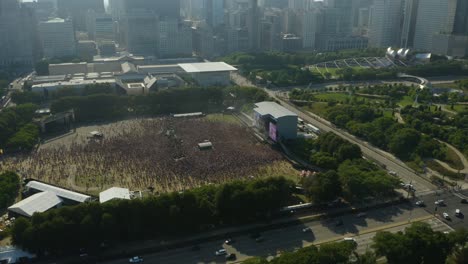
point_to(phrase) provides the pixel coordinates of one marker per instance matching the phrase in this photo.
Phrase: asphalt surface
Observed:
(452, 201)
(293, 238)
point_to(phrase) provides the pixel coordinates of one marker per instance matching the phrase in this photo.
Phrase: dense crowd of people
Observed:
(159, 153)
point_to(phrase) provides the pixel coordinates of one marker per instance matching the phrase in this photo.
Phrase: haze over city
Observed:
(234, 131)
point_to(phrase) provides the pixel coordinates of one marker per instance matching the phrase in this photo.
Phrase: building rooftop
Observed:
(60, 192)
(114, 193)
(273, 109)
(37, 203)
(206, 67)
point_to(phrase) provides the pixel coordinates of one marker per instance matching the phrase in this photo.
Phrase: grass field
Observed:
(223, 118)
(319, 108)
(333, 96)
(407, 100)
(453, 160)
(434, 165)
(458, 108)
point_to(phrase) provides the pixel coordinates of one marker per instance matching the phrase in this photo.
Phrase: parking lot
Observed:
(452, 202)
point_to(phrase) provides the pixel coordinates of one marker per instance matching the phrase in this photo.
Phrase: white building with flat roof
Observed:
(36, 186)
(58, 38)
(37, 203)
(114, 193)
(209, 73)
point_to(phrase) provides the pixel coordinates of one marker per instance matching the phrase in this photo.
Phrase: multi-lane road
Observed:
(363, 228)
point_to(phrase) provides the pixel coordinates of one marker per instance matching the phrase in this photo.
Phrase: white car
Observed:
(307, 229)
(457, 212)
(136, 259)
(220, 252)
(392, 173)
(446, 216)
(350, 239)
(439, 202)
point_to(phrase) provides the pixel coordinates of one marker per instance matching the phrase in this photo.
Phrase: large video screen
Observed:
(272, 133)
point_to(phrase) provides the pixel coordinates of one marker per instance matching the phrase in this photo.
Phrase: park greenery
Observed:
(9, 188)
(155, 217)
(347, 175)
(288, 69)
(17, 132)
(368, 123)
(420, 244)
(438, 124)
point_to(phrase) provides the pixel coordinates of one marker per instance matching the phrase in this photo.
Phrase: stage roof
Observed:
(271, 108)
(206, 67)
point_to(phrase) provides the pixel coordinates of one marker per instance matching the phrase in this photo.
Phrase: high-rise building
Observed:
(163, 8)
(253, 24)
(434, 17)
(460, 26)
(17, 35)
(77, 9)
(175, 39)
(139, 32)
(409, 23)
(203, 41)
(100, 26)
(57, 38)
(309, 27)
(385, 23)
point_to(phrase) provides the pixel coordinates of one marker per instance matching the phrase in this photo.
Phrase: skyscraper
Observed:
(385, 23)
(139, 32)
(77, 9)
(434, 16)
(57, 38)
(162, 8)
(409, 23)
(17, 35)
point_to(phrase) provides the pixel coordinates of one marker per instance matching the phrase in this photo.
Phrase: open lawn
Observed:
(319, 108)
(230, 119)
(162, 153)
(332, 96)
(434, 165)
(407, 100)
(458, 108)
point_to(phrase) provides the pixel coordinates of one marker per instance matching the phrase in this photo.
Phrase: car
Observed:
(350, 239)
(458, 212)
(307, 229)
(221, 252)
(231, 256)
(439, 202)
(446, 232)
(136, 259)
(446, 216)
(392, 173)
(229, 241)
(361, 214)
(463, 201)
(420, 203)
(259, 239)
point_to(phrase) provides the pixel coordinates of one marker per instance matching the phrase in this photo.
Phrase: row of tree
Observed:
(9, 188)
(88, 225)
(354, 180)
(112, 106)
(16, 128)
(329, 253)
(420, 244)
